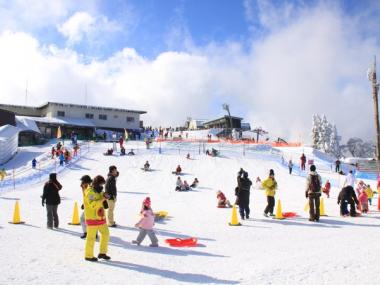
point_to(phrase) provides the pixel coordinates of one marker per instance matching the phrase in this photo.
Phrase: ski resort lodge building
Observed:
(82, 119)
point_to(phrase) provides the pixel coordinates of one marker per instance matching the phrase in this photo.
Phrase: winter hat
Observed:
(146, 202)
(111, 168)
(98, 180)
(245, 175)
(271, 172)
(313, 168)
(53, 176)
(86, 179)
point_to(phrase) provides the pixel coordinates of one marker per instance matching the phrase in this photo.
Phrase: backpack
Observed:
(314, 185)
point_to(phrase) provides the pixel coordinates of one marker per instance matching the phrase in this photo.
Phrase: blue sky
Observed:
(272, 61)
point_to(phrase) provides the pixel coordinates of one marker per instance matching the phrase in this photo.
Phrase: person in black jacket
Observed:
(111, 190)
(243, 190)
(52, 199)
(347, 196)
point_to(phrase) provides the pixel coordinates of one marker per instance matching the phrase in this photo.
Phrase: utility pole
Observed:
(227, 108)
(375, 91)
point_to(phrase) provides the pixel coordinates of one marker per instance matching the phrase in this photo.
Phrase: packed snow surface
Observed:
(336, 250)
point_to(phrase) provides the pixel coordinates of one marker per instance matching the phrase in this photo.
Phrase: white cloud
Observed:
(315, 64)
(82, 25)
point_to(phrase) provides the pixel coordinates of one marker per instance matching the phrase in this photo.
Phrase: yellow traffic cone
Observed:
(321, 207)
(75, 221)
(234, 218)
(16, 215)
(279, 211)
(307, 206)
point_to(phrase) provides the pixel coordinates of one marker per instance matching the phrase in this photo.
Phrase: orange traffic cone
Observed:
(234, 218)
(16, 215)
(378, 202)
(322, 208)
(75, 221)
(279, 215)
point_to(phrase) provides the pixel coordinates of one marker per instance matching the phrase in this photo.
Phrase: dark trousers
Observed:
(303, 166)
(337, 168)
(290, 170)
(52, 216)
(314, 207)
(343, 208)
(244, 205)
(269, 208)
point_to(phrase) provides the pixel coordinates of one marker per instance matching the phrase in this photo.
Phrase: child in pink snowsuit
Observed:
(363, 200)
(146, 224)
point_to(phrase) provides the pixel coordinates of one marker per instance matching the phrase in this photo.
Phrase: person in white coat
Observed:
(350, 180)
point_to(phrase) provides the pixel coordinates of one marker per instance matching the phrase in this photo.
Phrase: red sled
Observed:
(289, 215)
(179, 242)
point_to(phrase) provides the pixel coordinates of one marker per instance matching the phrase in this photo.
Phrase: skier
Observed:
(85, 182)
(95, 219)
(313, 192)
(34, 163)
(195, 183)
(243, 189)
(350, 180)
(347, 196)
(303, 161)
(146, 224)
(111, 190)
(290, 165)
(326, 188)
(270, 186)
(51, 197)
(222, 200)
(337, 165)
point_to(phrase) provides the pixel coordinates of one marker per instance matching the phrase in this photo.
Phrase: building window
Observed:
(89, 116)
(60, 113)
(130, 119)
(102, 117)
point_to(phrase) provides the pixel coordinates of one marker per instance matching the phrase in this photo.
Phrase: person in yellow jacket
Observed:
(94, 198)
(270, 186)
(369, 193)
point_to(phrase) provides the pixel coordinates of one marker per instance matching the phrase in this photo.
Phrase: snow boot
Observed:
(135, 242)
(83, 236)
(153, 245)
(93, 259)
(103, 256)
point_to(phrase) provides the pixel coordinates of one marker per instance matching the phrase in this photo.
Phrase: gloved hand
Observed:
(43, 203)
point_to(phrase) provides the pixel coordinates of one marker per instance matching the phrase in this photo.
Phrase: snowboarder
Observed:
(350, 180)
(51, 197)
(290, 166)
(303, 161)
(347, 196)
(270, 186)
(222, 200)
(111, 190)
(337, 165)
(85, 182)
(34, 163)
(179, 184)
(146, 224)
(195, 183)
(95, 219)
(243, 191)
(313, 192)
(326, 188)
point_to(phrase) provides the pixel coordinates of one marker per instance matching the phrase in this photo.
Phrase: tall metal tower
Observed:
(375, 90)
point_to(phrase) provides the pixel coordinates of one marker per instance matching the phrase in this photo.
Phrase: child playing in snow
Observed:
(179, 184)
(369, 193)
(359, 188)
(185, 186)
(195, 183)
(363, 200)
(222, 200)
(146, 224)
(326, 188)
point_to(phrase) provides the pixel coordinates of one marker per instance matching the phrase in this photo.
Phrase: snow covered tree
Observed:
(354, 146)
(324, 135)
(315, 130)
(334, 147)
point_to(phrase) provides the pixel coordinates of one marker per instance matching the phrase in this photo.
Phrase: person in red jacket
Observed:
(222, 200)
(303, 161)
(326, 188)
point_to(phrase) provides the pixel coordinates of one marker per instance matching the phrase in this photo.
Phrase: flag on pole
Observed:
(125, 135)
(59, 133)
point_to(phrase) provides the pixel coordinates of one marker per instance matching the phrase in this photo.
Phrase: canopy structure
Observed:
(8, 142)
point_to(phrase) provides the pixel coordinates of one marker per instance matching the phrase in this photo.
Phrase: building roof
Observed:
(76, 105)
(8, 131)
(26, 124)
(222, 119)
(61, 121)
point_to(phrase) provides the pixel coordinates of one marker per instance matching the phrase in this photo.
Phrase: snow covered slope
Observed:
(261, 251)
